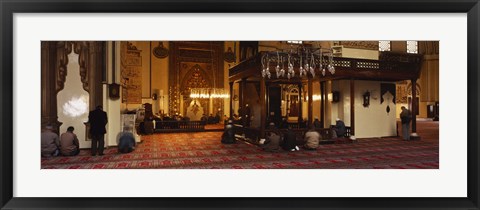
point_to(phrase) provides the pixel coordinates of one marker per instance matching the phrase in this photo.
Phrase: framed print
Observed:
(214, 61)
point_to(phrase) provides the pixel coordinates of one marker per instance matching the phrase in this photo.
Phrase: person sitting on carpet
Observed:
(69, 145)
(50, 142)
(284, 123)
(228, 136)
(126, 142)
(211, 119)
(204, 118)
(290, 140)
(339, 129)
(312, 139)
(317, 123)
(273, 141)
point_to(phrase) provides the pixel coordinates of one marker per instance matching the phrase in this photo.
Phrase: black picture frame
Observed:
(10, 7)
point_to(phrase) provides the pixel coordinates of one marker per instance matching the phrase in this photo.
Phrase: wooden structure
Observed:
(389, 67)
(179, 126)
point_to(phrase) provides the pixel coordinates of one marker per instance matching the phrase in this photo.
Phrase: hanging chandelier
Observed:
(209, 93)
(304, 60)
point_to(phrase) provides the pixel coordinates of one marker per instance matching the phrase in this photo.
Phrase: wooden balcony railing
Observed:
(179, 126)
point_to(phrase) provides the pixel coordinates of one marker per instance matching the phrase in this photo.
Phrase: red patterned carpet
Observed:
(204, 150)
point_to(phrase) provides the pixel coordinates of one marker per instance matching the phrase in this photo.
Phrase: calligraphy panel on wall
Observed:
(131, 68)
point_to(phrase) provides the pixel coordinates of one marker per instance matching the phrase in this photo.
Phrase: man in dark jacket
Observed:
(97, 120)
(405, 117)
(316, 123)
(290, 140)
(339, 128)
(228, 136)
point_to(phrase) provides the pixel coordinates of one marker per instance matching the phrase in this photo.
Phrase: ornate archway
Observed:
(195, 65)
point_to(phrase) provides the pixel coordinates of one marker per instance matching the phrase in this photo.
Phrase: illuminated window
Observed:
(384, 46)
(294, 42)
(412, 47)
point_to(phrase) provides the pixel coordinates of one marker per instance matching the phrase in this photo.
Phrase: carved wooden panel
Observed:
(367, 45)
(63, 49)
(82, 49)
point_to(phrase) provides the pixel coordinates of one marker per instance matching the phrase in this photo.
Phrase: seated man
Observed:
(69, 145)
(312, 139)
(204, 118)
(339, 129)
(317, 123)
(228, 136)
(217, 118)
(284, 123)
(272, 143)
(211, 119)
(290, 141)
(50, 142)
(126, 142)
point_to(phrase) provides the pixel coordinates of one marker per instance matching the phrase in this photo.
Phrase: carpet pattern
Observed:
(203, 150)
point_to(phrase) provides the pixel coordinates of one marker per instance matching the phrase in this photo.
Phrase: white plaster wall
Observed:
(344, 104)
(334, 107)
(73, 102)
(373, 121)
(360, 53)
(112, 107)
(329, 108)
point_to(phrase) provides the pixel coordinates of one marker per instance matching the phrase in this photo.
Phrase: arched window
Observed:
(384, 46)
(412, 47)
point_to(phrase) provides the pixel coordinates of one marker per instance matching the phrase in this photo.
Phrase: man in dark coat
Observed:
(284, 123)
(228, 136)
(290, 141)
(97, 119)
(316, 123)
(339, 128)
(405, 117)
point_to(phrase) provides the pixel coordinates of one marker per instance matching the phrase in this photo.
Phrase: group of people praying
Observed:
(276, 140)
(68, 145)
(286, 139)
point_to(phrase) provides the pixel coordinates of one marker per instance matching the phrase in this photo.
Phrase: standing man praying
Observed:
(97, 119)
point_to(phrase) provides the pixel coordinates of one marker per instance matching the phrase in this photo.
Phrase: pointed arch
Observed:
(198, 78)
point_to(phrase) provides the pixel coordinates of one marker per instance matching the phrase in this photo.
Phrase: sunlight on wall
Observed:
(76, 106)
(73, 102)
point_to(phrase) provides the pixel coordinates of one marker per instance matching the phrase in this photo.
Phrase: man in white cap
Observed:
(50, 142)
(339, 129)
